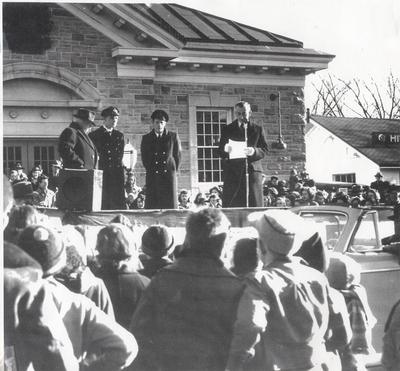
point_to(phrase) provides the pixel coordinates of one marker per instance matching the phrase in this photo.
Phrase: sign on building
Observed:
(385, 138)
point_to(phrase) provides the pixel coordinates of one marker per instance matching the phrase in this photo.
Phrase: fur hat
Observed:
(45, 246)
(281, 231)
(157, 241)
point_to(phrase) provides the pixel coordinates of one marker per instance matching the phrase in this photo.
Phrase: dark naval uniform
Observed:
(111, 150)
(234, 175)
(161, 158)
(77, 149)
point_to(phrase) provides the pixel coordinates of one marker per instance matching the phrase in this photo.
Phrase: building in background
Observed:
(140, 57)
(352, 150)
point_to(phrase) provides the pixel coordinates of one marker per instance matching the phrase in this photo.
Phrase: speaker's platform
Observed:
(168, 217)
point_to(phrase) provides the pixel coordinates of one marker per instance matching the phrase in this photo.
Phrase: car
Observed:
(358, 233)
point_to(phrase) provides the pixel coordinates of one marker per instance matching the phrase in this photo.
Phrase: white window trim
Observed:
(212, 100)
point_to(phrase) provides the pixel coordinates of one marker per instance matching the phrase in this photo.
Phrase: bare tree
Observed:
(339, 98)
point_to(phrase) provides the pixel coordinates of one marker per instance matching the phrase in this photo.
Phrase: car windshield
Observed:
(330, 225)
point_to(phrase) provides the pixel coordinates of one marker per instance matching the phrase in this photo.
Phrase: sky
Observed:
(363, 34)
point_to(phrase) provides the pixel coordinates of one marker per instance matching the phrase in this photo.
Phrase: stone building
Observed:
(140, 57)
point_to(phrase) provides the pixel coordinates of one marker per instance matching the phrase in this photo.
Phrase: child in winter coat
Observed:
(344, 275)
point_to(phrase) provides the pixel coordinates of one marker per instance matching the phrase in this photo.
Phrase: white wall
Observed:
(326, 155)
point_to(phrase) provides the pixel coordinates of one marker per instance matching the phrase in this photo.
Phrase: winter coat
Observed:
(34, 334)
(288, 305)
(111, 151)
(77, 149)
(234, 174)
(185, 319)
(161, 158)
(98, 341)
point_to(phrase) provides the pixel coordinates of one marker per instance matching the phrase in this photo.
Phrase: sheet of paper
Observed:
(238, 148)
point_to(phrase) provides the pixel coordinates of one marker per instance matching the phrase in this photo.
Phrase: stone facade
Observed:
(86, 52)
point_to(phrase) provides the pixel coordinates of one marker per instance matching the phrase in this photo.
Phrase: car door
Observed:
(357, 233)
(380, 271)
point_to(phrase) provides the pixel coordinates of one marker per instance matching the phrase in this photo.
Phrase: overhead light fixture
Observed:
(279, 144)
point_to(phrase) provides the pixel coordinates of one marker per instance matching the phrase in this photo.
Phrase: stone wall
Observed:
(86, 52)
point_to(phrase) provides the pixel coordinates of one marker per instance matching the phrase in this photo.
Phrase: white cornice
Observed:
(144, 52)
(249, 61)
(225, 77)
(41, 103)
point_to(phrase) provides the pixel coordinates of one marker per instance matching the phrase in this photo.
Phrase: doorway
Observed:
(30, 153)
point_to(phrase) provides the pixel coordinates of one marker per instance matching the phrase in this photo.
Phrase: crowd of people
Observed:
(84, 145)
(298, 190)
(272, 300)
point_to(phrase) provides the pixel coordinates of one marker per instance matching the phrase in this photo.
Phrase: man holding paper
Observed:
(242, 141)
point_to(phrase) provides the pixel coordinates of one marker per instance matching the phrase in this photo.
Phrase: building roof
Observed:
(191, 25)
(357, 132)
(180, 35)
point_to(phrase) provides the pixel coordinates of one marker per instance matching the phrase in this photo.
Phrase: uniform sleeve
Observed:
(251, 321)
(177, 151)
(260, 147)
(66, 145)
(120, 149)
(107, 345)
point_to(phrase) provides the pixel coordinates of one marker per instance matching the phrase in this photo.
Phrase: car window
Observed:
(366, 237)
(330, 225)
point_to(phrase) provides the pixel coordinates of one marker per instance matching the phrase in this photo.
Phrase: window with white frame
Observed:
(349, 178)
(208, 132)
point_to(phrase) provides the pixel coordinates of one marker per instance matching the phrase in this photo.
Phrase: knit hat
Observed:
(115, 242)
(45, 246)
(342, 271)
(157, 241)
(281, 231)
(74, 244)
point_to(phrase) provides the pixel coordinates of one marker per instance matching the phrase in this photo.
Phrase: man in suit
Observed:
(234, 170)
(110, 144)
(74, 145)
(161, 156)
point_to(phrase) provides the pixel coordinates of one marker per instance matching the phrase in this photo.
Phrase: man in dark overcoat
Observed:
(74, 145)
(234, 169)
(184, 320)
(110, 144)
(161, 156)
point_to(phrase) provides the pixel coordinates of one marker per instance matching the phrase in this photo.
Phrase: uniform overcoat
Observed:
(161, 158)
(111, 150)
